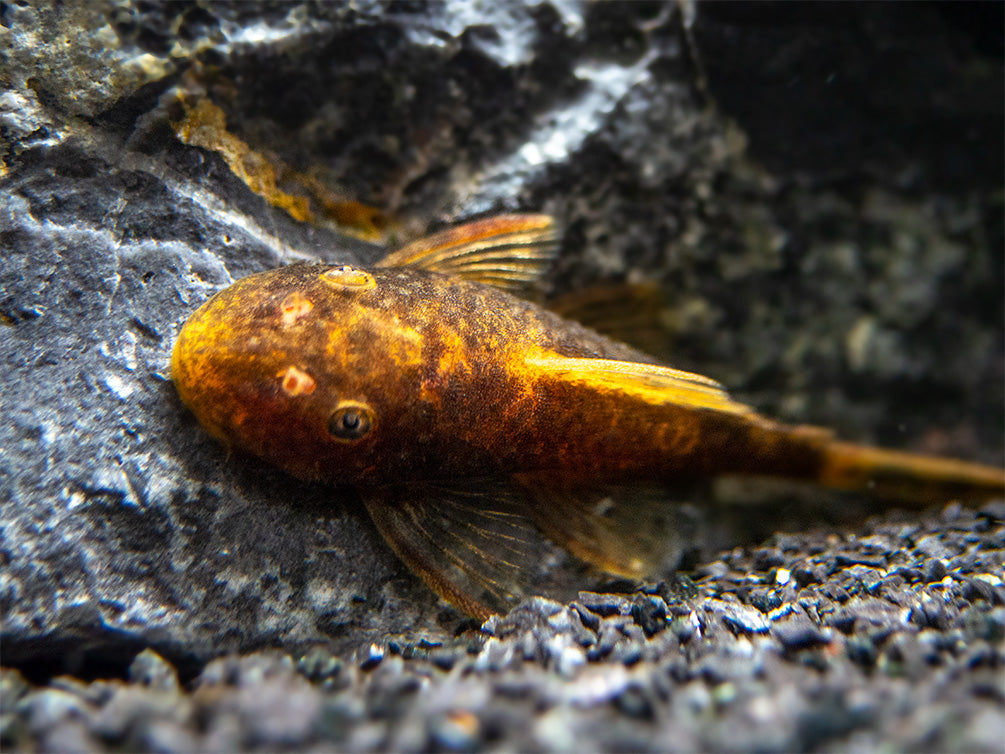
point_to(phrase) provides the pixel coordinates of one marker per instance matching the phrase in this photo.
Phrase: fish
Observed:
(472, 421)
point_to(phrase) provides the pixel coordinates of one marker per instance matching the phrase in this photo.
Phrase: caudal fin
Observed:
(909, 478)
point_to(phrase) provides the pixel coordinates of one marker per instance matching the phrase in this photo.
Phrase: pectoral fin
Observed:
(654, 384)
(635, 532)
(508, 251)
(472, 543)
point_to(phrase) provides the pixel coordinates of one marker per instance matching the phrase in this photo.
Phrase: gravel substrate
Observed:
(890, 640)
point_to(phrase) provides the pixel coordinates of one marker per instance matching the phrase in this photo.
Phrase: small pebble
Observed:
(590, 619)
(804, 576)
(935, 571)
(372, 657)
(605, 605)
(851, 560)
(650, 614)
(153, 671)
(929, 614)
(861, 650)
(742, 620)
(634, 702)
(767, 558)
(800, 633)
(456, 731)
(977, 589)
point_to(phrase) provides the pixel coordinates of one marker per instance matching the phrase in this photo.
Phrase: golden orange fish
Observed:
(466, 416)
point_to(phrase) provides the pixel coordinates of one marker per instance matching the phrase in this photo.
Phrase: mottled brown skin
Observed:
(442, 362)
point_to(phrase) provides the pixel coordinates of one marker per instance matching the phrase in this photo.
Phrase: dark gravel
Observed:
(870, 657)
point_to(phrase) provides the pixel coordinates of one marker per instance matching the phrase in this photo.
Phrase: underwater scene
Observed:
(538, 376)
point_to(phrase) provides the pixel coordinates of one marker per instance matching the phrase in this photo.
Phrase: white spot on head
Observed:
(295, 307)
(296, 381)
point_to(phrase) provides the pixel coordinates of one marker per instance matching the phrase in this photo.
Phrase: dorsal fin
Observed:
(654, 384)
(508, 251)
(626, 312)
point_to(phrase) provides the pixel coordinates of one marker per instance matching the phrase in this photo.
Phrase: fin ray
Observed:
(630, 531)
(627, 312)
(656, 384)
(508, 251)
(472, 543)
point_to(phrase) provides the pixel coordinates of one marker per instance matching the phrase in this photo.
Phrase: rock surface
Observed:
(817, 191)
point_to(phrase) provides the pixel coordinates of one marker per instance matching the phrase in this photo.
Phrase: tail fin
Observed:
(909, 478)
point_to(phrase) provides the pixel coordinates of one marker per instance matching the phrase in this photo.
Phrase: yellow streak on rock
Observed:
(205, 125)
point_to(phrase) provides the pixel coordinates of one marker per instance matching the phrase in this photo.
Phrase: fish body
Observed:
(415, 379)
(459, 378)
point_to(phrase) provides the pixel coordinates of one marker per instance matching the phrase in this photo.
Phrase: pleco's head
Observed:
(303, 367)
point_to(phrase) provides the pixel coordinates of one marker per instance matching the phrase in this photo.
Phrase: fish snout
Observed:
(210, 367)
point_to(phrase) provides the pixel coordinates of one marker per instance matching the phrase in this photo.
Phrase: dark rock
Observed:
(371, 657)
(589, 618)
(910, 575)
(843, 621)
(804, 576)
(862, 651)
(800, 633)
(634, 702)
(978, 589)
(850, 560)
(829, 717)
(766, 600)
(444, 659)
(766, 558)
(610, 635)
(650, 614)
(835, 592)
(742, 620)
(678, 587)
(935, 570)
(929, 614)
(605, 604)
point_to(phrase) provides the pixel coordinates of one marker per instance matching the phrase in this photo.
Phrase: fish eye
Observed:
(350, 421)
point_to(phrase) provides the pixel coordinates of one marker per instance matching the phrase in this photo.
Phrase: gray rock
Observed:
(800, 633)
